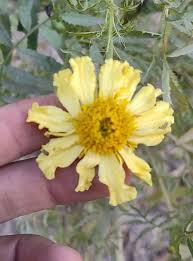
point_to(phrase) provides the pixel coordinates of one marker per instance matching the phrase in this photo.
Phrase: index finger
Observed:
(18, 138)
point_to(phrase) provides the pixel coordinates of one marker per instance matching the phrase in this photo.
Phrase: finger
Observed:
(30, 248)
(23, 189)
(18, 138)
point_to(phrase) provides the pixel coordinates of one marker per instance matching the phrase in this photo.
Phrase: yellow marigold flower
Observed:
(104, 123)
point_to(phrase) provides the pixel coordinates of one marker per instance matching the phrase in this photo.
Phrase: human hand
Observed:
(23, 189)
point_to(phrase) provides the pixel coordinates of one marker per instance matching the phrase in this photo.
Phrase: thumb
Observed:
(31, 247)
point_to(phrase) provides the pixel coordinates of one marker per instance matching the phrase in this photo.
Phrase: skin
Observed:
(23, 189)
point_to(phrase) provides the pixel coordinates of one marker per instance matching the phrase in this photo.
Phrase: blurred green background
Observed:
(37, 38)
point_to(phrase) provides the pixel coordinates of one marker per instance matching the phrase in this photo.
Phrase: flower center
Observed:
(104, 126)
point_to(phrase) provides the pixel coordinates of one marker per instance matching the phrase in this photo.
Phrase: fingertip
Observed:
(60, 253)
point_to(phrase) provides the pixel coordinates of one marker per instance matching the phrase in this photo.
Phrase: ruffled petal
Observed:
(150, 140)
(152, 125)
(83, 79)
(50, 117)
(144, 100)
(58, 144)
(58, 134)
(112, 174)
(137, 166)
(118, 78)
(59, 158)
(153, 131)
(65, 92)
(149, 137)
(86, 171)
(160, 116)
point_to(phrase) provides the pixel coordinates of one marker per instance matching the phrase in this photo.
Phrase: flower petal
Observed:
(160, 116)
(58, 134)
(116, 76)
(112, 174)
(151, 131)
(137, 165)
(65, 92)
(60, 158)
(144, 100)
(149, 137)
(58, 144)
(83, 79)
(50, 117)
(153, 124)
(86, 171)
(150, 140)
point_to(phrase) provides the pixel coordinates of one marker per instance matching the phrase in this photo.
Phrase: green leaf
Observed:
(180, 101)
(33, 38)
(170, 3)
(190, 245)
(185, 254)
(17, 80)
(183, 121)
(96, 54)
(182, 51)
(183, 112)
(3, 5)
(51, 36)
(166, 81)
(185, 23)
(81, 19)
(4, 36)
(28, 16)
(144, 34)
(5, 49)
(45, 63)
(25, 8)
(175, 238)
(174, 4)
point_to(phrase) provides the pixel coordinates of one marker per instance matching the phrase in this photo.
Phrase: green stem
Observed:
(156, 51)
(161, 183)
(119, 252)
(147, 74)
(109, 51)
(165, 193)
(165, 32)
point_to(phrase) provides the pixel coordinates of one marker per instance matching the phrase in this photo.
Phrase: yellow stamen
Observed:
(104, 126)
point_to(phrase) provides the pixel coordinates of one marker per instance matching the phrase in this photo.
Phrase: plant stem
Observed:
(109, 51)
(164, 192)
(119, 252)
(161, 183)
(165, 32)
